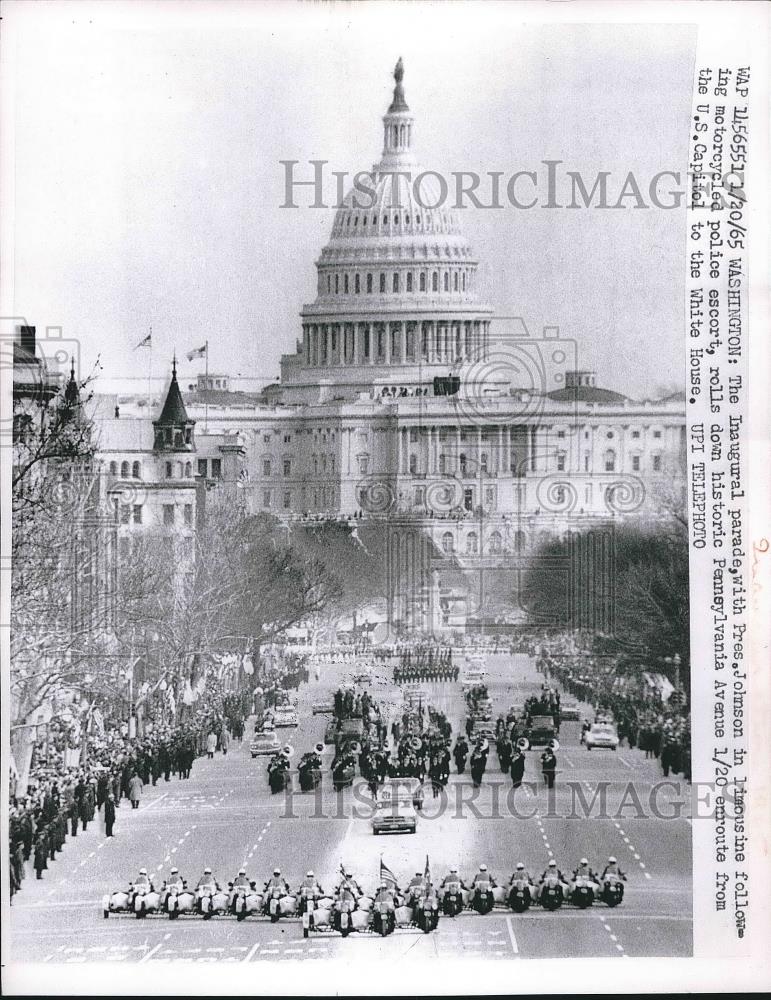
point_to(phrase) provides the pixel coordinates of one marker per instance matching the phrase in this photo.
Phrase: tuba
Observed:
(523, 744)
(319, 748)
(288, 751)
(554, 745)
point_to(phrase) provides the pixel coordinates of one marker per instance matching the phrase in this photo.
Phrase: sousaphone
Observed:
(523, 744)
(319, 748)
(288, 751)
(415, 743)
(554, 745)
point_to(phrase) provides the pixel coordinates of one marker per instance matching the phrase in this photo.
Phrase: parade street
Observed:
(225, 817)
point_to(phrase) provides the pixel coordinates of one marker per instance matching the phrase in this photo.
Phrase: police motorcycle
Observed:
(384, 911)
(244, 898)
(612, 880)
(276, 898)
(583, 888)
(176, 898)
(552, 894)
(279, 777)
(309, 894)
(482, 898)
(143, 898)
(452, 894)
(343, 907)
(309, 768)
(520, 890)
(209, 898)
(140, 898)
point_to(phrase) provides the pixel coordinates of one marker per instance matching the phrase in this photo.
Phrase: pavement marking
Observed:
(625, 762)
(270, 951)
(512, 936)
(152, 951)
(251, 952)
(154, 802)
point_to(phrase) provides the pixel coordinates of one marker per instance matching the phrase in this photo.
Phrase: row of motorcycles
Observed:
(349, 909)
(308, 769)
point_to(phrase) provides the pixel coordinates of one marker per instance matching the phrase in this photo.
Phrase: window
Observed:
(471, 543)
(422, 281)
(483, 461)
(657, 434)
(136, 470)
(124, 470)
(396, 281)
(610, 460)
(496, 543)
(369, 284)
(329, 289)
(413, 464)
(448, 544)
(113, 468)
(560, 434)
(287, 499)
(169, 470)
(168, 513)
(337, 284)
(561, 461)
(455, 281)
(382, 282)
(468, 499)
(345, 283)
(446, 281)
(266, 498)
(266, 467)
(266, 438)
(287, 439)
(357, 284)
(202, 467)
(363, 464)
(609, 435)
(287, 467)
(188, 470)
(125, 513)
(409, 281)
(188, 513)
(635, 434)
(435, 282)
(657, 463)
(216, 468)
(635, 463)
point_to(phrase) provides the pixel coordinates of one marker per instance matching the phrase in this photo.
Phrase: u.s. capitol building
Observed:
(405, 399)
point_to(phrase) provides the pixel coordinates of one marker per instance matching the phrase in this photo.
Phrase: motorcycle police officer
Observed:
(584, 870)
(551, 871)
(277, 882)
(612, 869)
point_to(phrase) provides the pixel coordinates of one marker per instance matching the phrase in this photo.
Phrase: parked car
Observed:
(570, 712)
(323, 708)
(601, 735)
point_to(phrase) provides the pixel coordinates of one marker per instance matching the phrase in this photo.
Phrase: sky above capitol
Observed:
(148, 184)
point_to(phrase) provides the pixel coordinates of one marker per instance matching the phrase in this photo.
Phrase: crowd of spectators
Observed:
(61, 798)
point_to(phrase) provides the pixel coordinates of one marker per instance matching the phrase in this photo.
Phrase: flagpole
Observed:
(150, 370)
(206, 397)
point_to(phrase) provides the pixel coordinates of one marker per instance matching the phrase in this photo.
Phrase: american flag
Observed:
(427, 872)
(386, 875)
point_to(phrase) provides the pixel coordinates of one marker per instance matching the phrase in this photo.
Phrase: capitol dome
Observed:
(397, 281)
